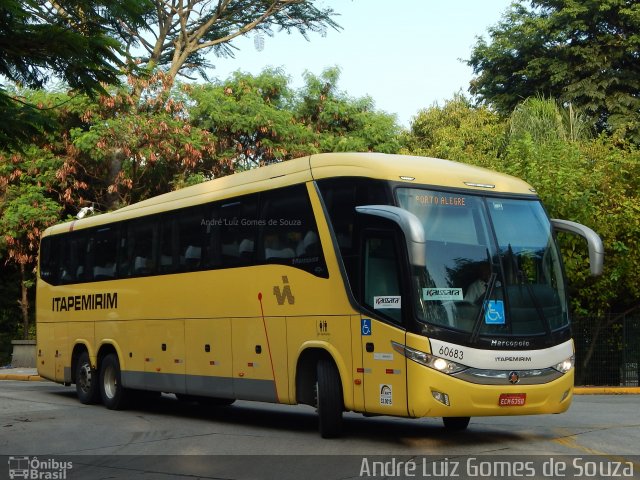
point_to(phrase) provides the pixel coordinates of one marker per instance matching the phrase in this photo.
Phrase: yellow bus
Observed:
(371, 283)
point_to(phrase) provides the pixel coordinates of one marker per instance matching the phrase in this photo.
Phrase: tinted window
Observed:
(104, 249)
(49, 254)
(290, 235)
(381, 277)
(139, 256)
(237, 222)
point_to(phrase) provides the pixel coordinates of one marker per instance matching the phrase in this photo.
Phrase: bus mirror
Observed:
(409, 224)
(596, 248)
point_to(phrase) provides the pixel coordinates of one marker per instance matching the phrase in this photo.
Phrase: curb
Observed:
(21, 377)
(606, 390)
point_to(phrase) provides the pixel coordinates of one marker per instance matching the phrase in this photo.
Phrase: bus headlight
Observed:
(565, 365)
(437, 363)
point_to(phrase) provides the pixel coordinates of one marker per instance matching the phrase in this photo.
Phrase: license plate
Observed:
(512, 399)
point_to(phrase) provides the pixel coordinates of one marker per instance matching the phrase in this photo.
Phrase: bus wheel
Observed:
(329, 399)
(114, 395)
(86, 381)
(456, 423)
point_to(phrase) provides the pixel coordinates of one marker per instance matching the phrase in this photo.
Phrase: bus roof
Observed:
(401, 168)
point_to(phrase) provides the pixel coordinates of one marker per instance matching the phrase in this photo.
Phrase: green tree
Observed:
(583, 53)
(341, 123)
(260, 119)
(27, 209)
(544, 121)
(591, 181)
(457, 131)
(68, 40)
(252, 119)
(130, 149)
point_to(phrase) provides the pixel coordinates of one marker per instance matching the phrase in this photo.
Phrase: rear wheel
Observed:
(114, 395)
(87, 382)
(456, 423)
(329, 399)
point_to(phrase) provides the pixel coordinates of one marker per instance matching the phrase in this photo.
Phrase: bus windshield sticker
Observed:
(442, 294)
(389, 301)
(494, 313)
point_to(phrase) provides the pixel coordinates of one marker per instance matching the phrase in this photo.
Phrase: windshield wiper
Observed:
(475, 332)
(522, 279)
(536, 303)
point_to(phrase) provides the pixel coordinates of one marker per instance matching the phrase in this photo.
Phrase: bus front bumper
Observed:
(434, 394)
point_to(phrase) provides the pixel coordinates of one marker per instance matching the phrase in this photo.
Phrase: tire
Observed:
(456, 423)
(329, 399)
(87, 381)
(114, 395)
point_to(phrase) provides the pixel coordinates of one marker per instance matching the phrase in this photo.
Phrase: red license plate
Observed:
(512, 399)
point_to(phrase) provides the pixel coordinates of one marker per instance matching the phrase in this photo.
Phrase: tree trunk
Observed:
(24, 302)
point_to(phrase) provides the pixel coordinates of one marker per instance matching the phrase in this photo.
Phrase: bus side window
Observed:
(141, 246)
(168, 244)
(238, 224)
(381, 277)
(49, 256)
(192, 238)
(106, 253)
(289, 231)
(72, 267)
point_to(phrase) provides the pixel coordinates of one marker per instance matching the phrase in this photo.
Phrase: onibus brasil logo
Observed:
(34, 468)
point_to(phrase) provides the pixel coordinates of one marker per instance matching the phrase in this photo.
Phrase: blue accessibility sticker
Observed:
(494, 313)
(366, 326)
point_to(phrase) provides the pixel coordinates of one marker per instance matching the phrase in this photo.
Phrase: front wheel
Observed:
(456, 423)
(329, 399)
(86, 381)
(114, 395)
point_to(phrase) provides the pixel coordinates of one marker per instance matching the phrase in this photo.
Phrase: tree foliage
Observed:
(185, 31)
(583, 53)
(69, 40)
(594, 181)
(260, 119)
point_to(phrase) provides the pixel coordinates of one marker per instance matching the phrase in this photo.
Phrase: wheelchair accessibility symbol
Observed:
(494, 313)
(366, 326)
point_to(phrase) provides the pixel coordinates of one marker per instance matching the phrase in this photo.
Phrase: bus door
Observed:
(384, 370)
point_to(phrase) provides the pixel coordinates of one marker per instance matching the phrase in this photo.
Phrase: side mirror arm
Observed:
(410, 226)
(594, 242)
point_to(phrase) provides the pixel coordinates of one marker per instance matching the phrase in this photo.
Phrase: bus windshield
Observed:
(492, 265)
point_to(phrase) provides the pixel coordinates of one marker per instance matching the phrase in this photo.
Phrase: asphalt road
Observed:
(167, 438)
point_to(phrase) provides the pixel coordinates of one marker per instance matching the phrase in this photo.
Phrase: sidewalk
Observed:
(31, 374)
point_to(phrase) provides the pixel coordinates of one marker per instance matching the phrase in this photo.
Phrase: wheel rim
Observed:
(85, 377)
(110, 384)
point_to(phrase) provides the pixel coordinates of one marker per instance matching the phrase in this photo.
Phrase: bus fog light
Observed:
(564, 396)
(565, 365)
(441, 397)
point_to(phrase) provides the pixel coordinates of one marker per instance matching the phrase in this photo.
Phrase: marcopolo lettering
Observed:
(510, 343)
(94, 301)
